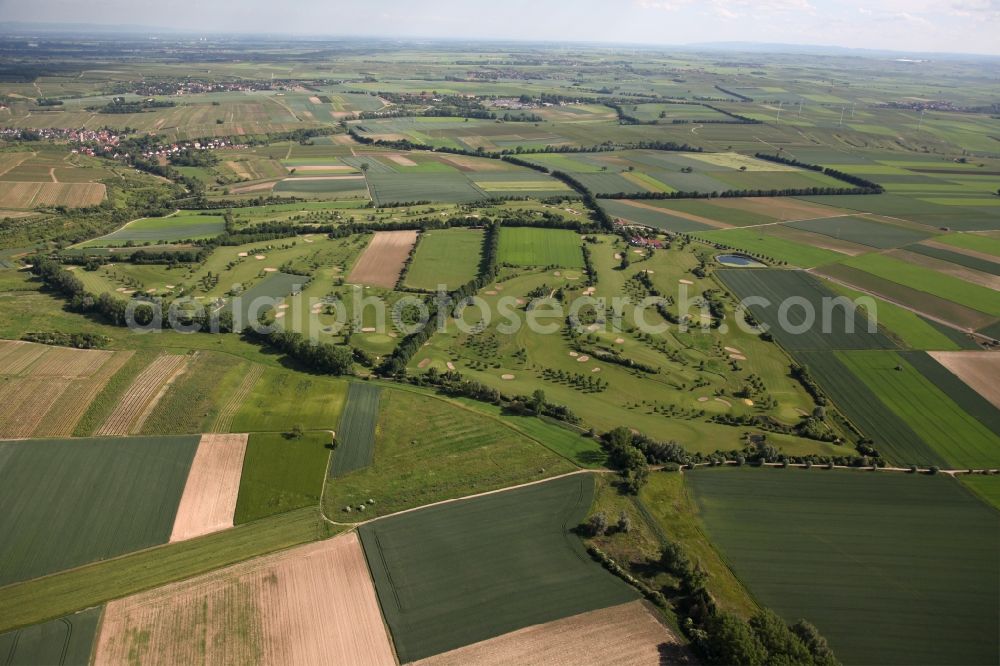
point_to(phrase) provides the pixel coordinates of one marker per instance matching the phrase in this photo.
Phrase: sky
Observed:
(957, 26)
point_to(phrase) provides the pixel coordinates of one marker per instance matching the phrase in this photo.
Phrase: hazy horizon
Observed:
(919, 26)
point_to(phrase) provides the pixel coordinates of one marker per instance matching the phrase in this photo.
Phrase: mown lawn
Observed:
(445, 256)
(527, 246)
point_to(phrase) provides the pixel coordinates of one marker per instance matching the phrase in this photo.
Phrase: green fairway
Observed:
(427, 450)
(459, 573)
(264, 296)
(356, 432)
(445, 256)
(281, 473)
(67, 641)
(72, 501)
(526, 246)
(960, 440)
(892, 568)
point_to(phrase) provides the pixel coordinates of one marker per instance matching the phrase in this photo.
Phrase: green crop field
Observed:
(183, 225)
(72, 501)
(968, 261)
(281, 473)
(281, 399)
(649, 216)
(759, 242)
(427, 450)
(446, 187)
(893, 436)
(946, 287)
(526, 246)
(987, 487)
(958, 391)
(892, 568)
(862, 230)
(779, 285)
(67, 641)
(958, 439)
(356, 432)
(434, 569)
(445, 256)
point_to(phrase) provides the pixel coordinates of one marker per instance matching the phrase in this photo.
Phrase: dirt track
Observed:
(309, 605)
(213, 484)
(625, 634)
(382, 261)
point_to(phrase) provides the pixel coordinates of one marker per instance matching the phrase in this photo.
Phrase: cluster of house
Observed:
(155, 88)
(639, 241)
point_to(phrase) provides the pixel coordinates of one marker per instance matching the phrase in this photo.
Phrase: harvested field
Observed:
(309, 605)
(780, 208)
(45, 390)
(402, 160)
(977, 369)
(213, 483)
(141, 397)
(32, 195)
(625, 634)
(382, 261)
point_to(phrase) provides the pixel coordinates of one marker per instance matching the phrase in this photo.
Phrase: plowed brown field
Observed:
(628, 634)
(382, 261)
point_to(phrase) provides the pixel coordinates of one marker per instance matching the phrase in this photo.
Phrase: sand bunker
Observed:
(507, 377)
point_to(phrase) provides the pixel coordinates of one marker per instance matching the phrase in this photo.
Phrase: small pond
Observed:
(739, 261)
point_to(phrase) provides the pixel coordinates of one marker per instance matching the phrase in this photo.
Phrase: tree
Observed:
(624, 522)
(731, 641)
(815, 643)
(598, 524)
(782, 645)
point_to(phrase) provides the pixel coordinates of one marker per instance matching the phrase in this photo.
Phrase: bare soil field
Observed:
(679, 213)
(213, 484)
(309, 605)
(45, 390)
(382, 261)
(141, 397)
(625, 634)
(321, 167)
(979, 370)
(256, 187)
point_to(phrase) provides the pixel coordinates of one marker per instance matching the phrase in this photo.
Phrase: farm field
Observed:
(357, 431)
(524, 246)
(141, 397)
(958, 438)
(447, 256)
(862, 230)
(771, 247)
(381, 264)
(427, 450)
(432, 568)
(74, 501)
(792, 536)
(280, 473)
(45, 390)
(185, 225)
(778, 285)
(304, 605)
(209, 499)
(978, 370)
(893, 436)
(67, 641)
(315, 403)
(626, 634)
